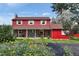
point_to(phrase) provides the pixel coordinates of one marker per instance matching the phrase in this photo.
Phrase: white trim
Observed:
(26, 32)
(62, 33)
(31, 21)
(18, 23)
(35, 33)
(42, 21)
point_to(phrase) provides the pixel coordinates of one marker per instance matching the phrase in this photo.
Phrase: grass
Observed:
(45, 40)
(66, 41)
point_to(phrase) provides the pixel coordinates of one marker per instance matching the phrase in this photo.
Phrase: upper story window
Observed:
(31, 22)
(43, 22)
(19, 22)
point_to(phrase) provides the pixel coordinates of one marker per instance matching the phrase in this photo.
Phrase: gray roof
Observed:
(31, 18)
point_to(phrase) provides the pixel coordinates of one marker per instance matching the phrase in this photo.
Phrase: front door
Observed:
(31, 33)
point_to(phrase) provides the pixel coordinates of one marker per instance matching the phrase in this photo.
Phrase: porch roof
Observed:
(56, 26)
(51, 26)
(31, 27)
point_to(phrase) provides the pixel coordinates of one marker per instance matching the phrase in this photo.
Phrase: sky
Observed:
(9, 10)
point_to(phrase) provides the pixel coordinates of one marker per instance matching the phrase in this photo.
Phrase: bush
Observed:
(6, 33)
(39, 50)
(7, 49)
(21, 48)
(67, 51)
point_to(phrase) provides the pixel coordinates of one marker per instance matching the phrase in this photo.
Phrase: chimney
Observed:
(16, 16)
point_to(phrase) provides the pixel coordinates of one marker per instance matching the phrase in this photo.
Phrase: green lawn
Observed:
(65, 41)
(49, 40)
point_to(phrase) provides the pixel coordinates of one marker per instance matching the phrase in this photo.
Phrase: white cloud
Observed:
(28, 13)
(24, 12)
(46, 14)
(6, 20)
(12, 4)
(1, 20)
(16, 4)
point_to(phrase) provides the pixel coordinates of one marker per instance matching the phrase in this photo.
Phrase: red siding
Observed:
(76, 35)
(25, 23)
(56, 34)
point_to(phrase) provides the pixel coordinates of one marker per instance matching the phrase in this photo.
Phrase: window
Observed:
(43, 22)
(62, 32)
(19, 22)
(31, 22)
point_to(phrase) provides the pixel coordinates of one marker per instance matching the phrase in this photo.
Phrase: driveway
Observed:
(74, 48)
(59, 50)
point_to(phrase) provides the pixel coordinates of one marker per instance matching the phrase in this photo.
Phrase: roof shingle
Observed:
(31, 18)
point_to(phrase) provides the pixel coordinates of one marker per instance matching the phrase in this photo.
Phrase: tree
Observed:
(71, 7)
(68, 15)
(59, 7)
(75, 10)
(6, 33)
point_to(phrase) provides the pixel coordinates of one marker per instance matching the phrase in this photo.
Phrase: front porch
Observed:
(33, 33)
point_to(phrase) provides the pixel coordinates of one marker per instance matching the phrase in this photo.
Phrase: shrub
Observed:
(7, 49)
(67, 51)
(39, 50)
(6, 33)
(21, 48)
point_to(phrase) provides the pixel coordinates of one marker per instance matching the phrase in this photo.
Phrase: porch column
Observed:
(43, 33)
(18, 33)
(26, 33)
(35, 33)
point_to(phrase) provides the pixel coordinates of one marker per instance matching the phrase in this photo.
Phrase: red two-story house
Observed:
(37, 27)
